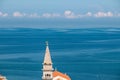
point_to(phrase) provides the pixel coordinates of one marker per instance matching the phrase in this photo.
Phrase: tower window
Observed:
(47, 75)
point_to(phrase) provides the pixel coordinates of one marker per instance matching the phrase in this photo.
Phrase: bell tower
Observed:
(47, 65)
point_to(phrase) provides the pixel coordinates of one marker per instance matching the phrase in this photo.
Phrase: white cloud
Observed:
(46, 15)
(89, 14)
(3, 14)
(67, 14)
(49, 15)
(35, 15)
(18, 14)
(70, 14)
(110, 14)
(103, 14)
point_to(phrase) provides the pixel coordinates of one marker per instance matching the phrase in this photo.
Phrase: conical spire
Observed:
(47, 58)
(47, 65)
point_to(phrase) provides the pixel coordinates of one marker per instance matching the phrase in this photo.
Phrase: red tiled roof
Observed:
(56, 73)
(1, 78)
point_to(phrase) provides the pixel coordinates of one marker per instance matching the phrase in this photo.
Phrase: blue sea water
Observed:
(84, 54)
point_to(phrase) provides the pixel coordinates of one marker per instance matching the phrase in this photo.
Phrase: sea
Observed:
(82, 53)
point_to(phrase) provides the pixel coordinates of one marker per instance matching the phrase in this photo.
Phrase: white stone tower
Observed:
(47, 65)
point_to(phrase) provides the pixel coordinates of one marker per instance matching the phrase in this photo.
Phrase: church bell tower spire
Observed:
(47, 65)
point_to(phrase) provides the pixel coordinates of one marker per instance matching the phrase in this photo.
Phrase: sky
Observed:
(59, 9)
(59, 13)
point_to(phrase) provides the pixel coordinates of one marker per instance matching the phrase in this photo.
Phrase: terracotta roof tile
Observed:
(56, 73)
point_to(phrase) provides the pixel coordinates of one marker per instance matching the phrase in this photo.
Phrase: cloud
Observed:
(46, 15)
(89, 14)
(67, 14)
(49, 15)
(103, 14)
(3, 14)
(35, 15)
(70, 14)
(18, 14)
